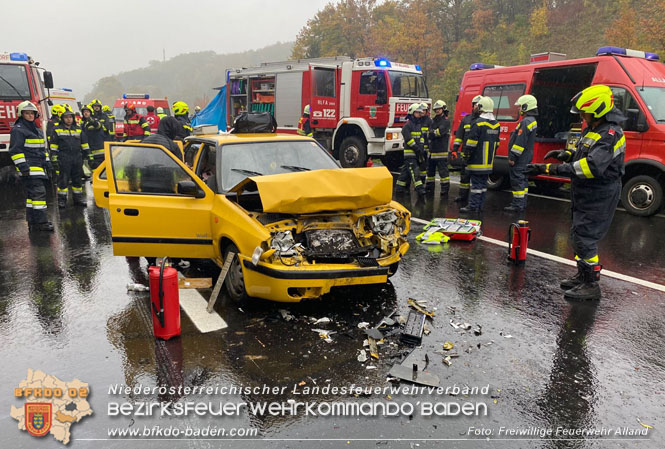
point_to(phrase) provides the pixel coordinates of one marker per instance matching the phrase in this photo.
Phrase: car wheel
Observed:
(642, 196)
(392, 269)
(235, 281)
(353, 152)
(393, 160)
(496, 182)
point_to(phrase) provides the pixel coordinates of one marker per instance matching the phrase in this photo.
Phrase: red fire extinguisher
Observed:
(165, 301)
(519, 235)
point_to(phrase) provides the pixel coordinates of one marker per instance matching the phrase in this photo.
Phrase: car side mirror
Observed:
(637, 119)
(48, 80)
(190, 188)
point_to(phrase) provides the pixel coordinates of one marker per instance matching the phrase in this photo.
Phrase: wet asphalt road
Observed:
(548, 363)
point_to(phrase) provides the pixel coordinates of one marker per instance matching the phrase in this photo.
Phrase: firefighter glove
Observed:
(562, 155)
(535, 169)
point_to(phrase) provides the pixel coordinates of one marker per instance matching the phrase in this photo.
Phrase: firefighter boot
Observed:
(574, 281)
(41, 227)
(79, 200)
(589, 288)
(62, 200)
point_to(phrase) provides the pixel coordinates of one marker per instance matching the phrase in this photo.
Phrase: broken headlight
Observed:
(283, 244)
(383, 224)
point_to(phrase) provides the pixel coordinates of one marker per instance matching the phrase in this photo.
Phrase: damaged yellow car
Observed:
(298, 223)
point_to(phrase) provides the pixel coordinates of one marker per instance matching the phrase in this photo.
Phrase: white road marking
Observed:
(612, 274)
(195, 306)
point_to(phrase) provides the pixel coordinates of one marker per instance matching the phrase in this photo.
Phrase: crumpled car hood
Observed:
(321, 190)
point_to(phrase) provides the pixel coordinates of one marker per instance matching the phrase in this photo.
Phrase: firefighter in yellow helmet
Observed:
(304, 127)
(181, 113)
(595, 168)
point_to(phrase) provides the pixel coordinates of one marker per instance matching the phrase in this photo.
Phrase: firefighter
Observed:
(56, 111)
(438, 155)
(304, 128)
(425, 126)
(103, 118)
(595, 169)
(70, 144)
(165, 136)
(27, 148)
(96, 134)
(521, 151)
(414, 152)
(181, 113)
(160, 112)
(478, 152)
(136, 126)
(460, 138)
(152, 119)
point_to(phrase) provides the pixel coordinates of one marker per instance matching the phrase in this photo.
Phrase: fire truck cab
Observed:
(19, 81)
(637, 80)
(142, 101)
(358, 106)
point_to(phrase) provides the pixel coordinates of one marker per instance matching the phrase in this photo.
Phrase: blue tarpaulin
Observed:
(214, 113)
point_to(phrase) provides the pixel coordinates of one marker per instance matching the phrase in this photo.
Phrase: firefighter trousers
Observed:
(519, 184)
(410, 172)
(440, 164)
(35, 199)
(478, 191)
(593, 211)
(95, 161)
(71, 170)
(464, 184)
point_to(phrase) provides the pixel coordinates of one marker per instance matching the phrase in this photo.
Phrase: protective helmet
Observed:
(95, 102)
(414, 107)
(68, 111)
(86, 107)
(527, 103)
(475, 99)
(485, 104)
(27, 106)
(197, 108)
(106, 108)
(131, 106)
(56, 110)
(596, 100)
(180, 108)
(440, 104)
(306, 110)
(160, 110)
(424, 106)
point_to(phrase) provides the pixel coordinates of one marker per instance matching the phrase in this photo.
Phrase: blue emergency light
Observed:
(66, 89)
(418, 68)
(481, 66)
(382, 62)
(18, 57)
(608, 50)
(135, 96)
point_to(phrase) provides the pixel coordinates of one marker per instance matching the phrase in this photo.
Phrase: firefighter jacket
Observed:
(304, 127)
(107, 122)
(522, 139)
(69, 141)
(413, 142)
(136, 126)
(598, 159)
(481, 143)
(425, 126)
(185, 128)
(462, 131)
(27, 148)
(439, 135)
(96, 134)
(50, 126)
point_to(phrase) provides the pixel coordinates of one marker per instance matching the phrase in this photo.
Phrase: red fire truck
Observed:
(637, 80)
(358, 106)
(19, 81)
(142, 101)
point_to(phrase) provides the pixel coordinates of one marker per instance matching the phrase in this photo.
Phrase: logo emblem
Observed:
(38, 418)
(372, 111)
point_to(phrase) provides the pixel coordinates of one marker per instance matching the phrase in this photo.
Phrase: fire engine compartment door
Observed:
(150, 215)
(324, 105)
(288, 99)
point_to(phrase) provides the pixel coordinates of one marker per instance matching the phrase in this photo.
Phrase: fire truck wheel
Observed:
(353, 152)
(235, 281)
(642, 195)
(496, 182)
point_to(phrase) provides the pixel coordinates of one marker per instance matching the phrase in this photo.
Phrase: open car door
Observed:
(158, 206)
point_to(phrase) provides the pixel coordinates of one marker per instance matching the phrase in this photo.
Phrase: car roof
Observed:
(224, 138)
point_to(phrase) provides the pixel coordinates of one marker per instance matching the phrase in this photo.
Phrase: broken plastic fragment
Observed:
(362, 357)
(322, 321)
(286, 316)
(414, 305)
(447, 361)
(646, 426)
(478, 330)
(363, 325)
(447, 346)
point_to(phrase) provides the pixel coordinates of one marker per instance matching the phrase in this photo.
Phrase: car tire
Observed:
(496, 182)
(392, 269)
(353, 152)
(642, 196)
(235, 281)
(393, 160)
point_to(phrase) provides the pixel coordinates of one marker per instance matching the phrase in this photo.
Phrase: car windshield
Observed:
(407, 84)
(654, 97)
(14, 82)
(119, 113)
(242, 160)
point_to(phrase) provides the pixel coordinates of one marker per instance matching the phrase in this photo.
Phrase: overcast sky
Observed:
(81, 41)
